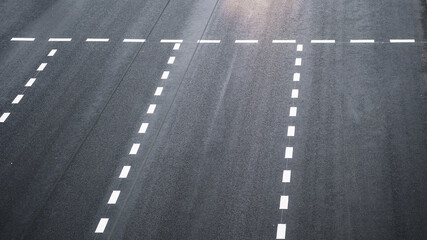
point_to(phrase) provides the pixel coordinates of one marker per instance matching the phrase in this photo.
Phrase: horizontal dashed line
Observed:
(402, 40)
(208, 41)
(133, 40)
(4, 116)
(59, 39)
(246, 41)
(15, 39)
(97, 40)
(322, 41)
(284, 41)
(171, 40)
(125, 171)
(362, 41)
(101, 225)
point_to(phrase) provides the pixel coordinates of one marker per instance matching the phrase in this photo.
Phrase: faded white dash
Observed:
(284, 200)
(151, 108)
(52, 53)
(208, 41)
(246, 41)
(143, 128)
(133, 40)
(41, 67)
(297, 77)
(281, 231)
(17, 99)
(291, 131)
(299, 48)
(165, 75)
(4, 116)
(286, 176)
(284, 41)
(362, 41)
(97, 40)
(171, 40)
(134, 149)
(322, 41)
(289, 152)
(101, 225)
(171, 60)
(30, 82)
(158, 91)
(293, 111)
(298, 61)
(294, 93)
(176, 46)
(59, 39)
(402, 40)
(125, 171)
(22, 39)
(114, 196)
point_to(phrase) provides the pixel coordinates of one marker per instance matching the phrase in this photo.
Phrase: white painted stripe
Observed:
(322, 41)
(41, 67)
(143, 128)
(101, 225)
(134, 149)
(289, 152)
(281, 231)
(402, 40)
(22, 39)
(171, 60)
(297, 77)
(299, 48)
(298, 61)
(165, 75)
(4, 116)
(158, 91)
(286, 176)
(97, 40)
(291, 131)
(125, 171)
(17, 99)
(176, 46)
(151, 108)
(171, 41)
(284, 41)
(114, 196)
(133, 40)
(30, 82)
(284, 200)
(294, 93)
(246, 41)
(52, 53)
(59, 39)
(208, 41)
(362, 41)
(293, 111)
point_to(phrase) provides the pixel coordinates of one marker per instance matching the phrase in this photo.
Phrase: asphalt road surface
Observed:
(213, 119)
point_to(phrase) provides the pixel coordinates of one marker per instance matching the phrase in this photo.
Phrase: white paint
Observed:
(41, 67)
(208, 41)
(291, 131)
(171, 60)
(59, 39)
(97, 40)
(133, 40)
(114, 196)
(52, 53)
(286, 176)
(151, 108)
(158, 91)
(281, 231)
(322, 41)
(176, 46)
(293, 111)
(299, 48)
(101, 225)
(22, 39)
(246, 41)
(284, 200)
(143, 128)
(362, 41)
(17, 99)
(284, 41)
(294, 93)
(171, 40)
(4, 116)
(289, 152)
(297, 77)
(298, 61)
(402, 40)
(165, 75)
(30, 82)
(125, 171)
(134, 149)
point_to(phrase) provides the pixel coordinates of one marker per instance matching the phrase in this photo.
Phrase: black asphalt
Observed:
(210, 165)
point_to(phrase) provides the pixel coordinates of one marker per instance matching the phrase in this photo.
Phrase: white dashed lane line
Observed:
(171, 60)
(165, 75)
(299, 47)
(59, 39)
(281, 231)
(41, 67)
(134, 149)
(30, 82)
(402, 40)
(293, 112)
(362, 41)
(322, 41)
(246, 41)
(114, 196)
(294, 93)
(125, 171)
(291, 131)
(176, 46)
(17, 99)
(208, 41)
(143, 128)
(158, 91)
(22, 39)
(171, 40)
(101, 225)
(286, 178)
(4, 116)
(52, 53)
(298, 62)
(289, 152)
(296, 77)
(284, 41)
(151, 109)
(133, 40)
(97, 40)
(284, 201)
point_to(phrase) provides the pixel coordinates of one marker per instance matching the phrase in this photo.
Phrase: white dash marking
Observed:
(171, 60)
(52, 53)
(297, 77)
(286, 176)
(246, 41)
(171, 40)
(284, 41)
(165, 75)
(59, 39)
(17, 99)
(362, 41)
(293, 112)
(281, 231)
(299, 48)
(143, 128)
(284, 200)
(114, 196)
(176, 46)
(294, 93)
(30, 82)
(289, 152)
(298, 61)
(97, 40)
(125, 171)
(134, 149)
(402, 40)
(291, 131)
(41, 67)
(22, 39)
(101, 225)
(158, 91)
(322, 41)
(133, 40)
(4, 116)
(208, 41)
(151, 108)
